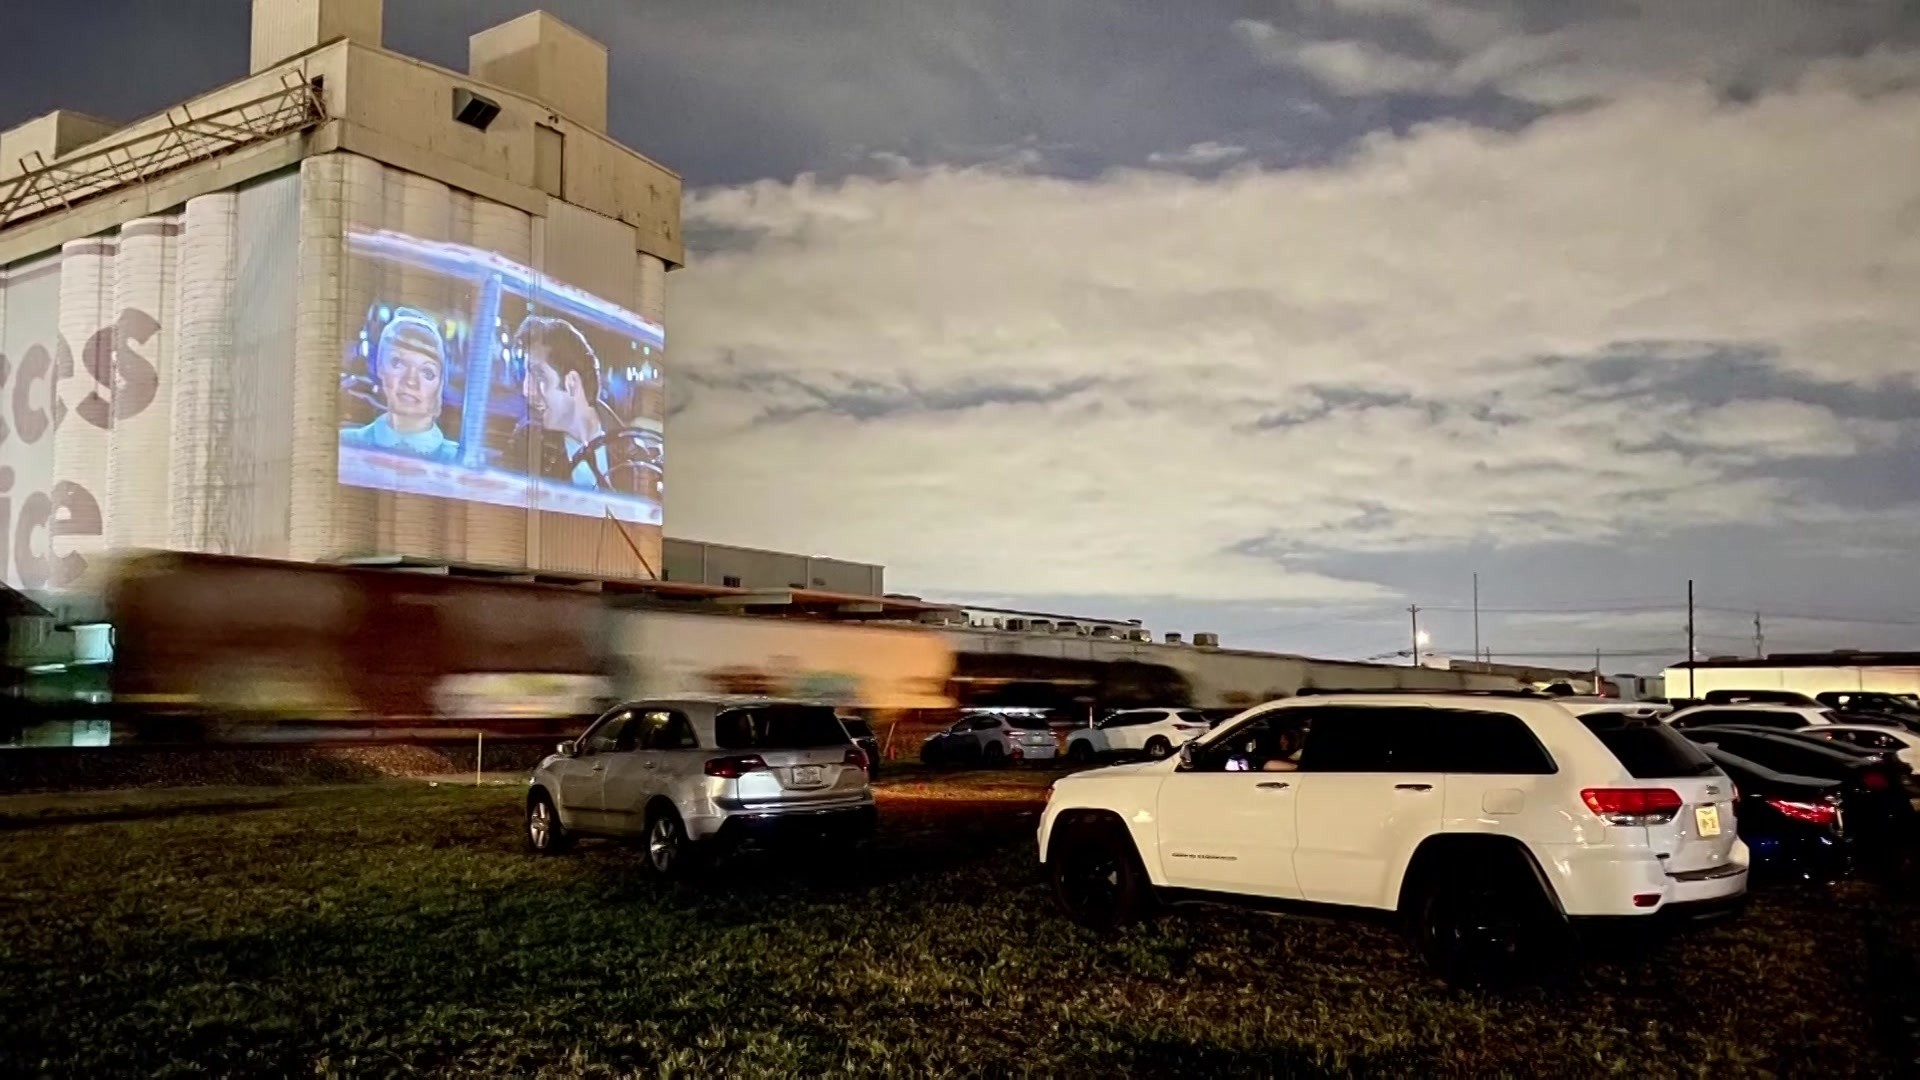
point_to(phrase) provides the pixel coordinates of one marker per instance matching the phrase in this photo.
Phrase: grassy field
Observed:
(399, 928)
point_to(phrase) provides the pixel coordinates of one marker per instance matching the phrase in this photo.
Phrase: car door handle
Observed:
(1413, 787)
(1273, 785)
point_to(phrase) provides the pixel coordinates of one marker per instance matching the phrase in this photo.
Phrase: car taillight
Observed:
(1874, 780)
(730, 768)
(1819, 813)
(1633, 806)
(855, 757)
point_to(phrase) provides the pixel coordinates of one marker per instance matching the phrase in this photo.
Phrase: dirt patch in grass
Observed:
(401, 928)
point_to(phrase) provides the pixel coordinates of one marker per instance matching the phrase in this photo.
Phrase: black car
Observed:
(1874, 789)
(862, 736)
(1794, 825)
(1871, 701)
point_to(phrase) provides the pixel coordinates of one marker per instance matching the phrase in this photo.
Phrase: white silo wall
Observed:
(30, 339)
(497, 535)
(315, 450)
(203, 354)
(420, 208)
(356, 517)
(145, 299)
(259, 381)
(84, 413)
(651, 302)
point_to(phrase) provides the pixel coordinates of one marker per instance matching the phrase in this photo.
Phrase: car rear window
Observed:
(1649, 749)
(1191, 716)
(1028, 723)
(778, 727)
(857, 728)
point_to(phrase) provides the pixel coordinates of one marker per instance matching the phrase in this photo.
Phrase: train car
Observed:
(311, 649)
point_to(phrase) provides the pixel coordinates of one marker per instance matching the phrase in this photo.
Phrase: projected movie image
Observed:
(473, 378)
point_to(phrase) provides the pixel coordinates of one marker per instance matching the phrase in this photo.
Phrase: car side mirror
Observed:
(566, 749)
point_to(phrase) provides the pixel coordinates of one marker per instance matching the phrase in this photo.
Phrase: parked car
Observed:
(1794, 825)
(692, 774)
(861, 735)
(1901, 705)
(1878, 809)
(992, 739)
(1885, 710)
(1758, 697)
(1157, 733)
(1899, 742)
(1447, 809)
(1780, 717)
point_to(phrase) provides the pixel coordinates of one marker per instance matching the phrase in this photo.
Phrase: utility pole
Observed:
(1413, 613)
(1476, 614)
(1759, 639)
(1691, 655)
(1597, 691)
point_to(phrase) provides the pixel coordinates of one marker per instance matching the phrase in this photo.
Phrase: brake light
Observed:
(730, 768)
(1874, 780)
(1819, 813)
(1633, 806)
(856, 757)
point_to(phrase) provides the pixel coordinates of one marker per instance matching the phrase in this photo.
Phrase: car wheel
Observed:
(995, 755)
(930, 754)
(1080, 752)
(545, 834)
(1481, 923)
(1158, 748)
(669, 851)
(1098, 881)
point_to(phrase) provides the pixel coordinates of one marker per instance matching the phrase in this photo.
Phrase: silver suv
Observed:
(690, 773)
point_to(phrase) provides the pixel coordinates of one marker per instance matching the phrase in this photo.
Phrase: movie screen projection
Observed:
(508, 388)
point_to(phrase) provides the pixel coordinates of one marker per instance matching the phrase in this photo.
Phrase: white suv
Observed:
(1487, 821)
(1153, 732)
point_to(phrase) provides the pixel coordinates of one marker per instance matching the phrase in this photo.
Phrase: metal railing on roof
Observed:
(50, 186)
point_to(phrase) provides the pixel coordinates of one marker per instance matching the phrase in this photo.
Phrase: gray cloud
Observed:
(1554, 55)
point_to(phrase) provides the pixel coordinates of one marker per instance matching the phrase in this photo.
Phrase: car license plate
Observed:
(1708, 820)
(808, 775)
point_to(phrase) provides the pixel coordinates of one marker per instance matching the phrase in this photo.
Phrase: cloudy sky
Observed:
(1264, 318)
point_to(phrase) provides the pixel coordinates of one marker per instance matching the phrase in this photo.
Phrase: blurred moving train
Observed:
(214, 648)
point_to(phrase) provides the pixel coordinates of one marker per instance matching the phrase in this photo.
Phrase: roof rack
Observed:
(1322, 691)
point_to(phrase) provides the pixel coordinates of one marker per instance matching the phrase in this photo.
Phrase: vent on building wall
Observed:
(1207, 641)
(473, 110)
(1173, 637)
(1139, 633)
(730, 581)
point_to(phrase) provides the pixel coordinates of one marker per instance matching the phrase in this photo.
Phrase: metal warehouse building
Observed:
(352, 305)
(1807, 673)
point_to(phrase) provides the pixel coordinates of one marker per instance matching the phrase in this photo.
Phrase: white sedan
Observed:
(1153, 732)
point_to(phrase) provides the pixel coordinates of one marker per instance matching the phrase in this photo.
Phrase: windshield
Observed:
(1648, 748)
(778, 727)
